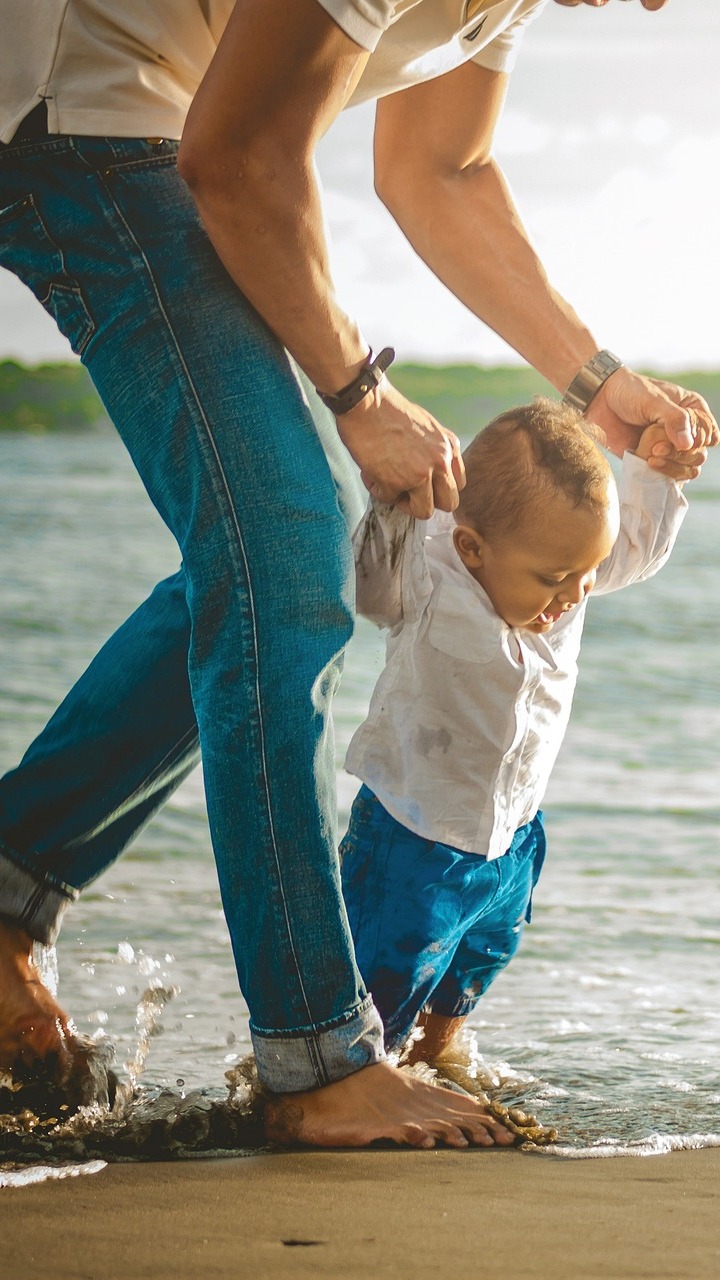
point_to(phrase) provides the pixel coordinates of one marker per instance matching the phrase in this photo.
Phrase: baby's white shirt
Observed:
(468, 714)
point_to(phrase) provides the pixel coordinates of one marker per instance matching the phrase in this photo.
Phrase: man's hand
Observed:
(404, 455)
(628, 403)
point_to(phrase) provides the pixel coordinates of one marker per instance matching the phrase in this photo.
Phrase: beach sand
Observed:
(499, 1215)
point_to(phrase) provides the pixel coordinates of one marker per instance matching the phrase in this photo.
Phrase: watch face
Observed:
(604, 363)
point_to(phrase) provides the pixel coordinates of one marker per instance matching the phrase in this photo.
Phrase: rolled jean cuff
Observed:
(31, 902)
(290, 1062)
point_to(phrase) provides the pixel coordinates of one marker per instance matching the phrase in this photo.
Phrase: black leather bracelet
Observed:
(366, 380)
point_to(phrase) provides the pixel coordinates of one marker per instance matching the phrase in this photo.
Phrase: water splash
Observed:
(148, 1021)
(46, 962)
(144, 1123)
(42, 1116)
(41, 1130)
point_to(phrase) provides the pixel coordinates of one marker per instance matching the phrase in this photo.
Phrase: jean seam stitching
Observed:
(76, 290)
(220, 473)
(316, 1059)
(67, 282)
(24, 150)
(122, 167)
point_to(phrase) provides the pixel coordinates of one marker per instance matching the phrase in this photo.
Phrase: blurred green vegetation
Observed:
(463, 397)
(47, 397)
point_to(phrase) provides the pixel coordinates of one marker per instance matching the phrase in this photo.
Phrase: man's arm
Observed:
(280, 76)
(435, 172)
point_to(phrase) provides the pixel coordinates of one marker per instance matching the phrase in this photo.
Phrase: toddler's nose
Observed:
(574, 592)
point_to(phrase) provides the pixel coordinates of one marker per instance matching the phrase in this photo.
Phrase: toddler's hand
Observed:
(679, 465)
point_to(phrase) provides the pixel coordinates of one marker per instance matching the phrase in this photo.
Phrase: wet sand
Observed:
(502, 1215)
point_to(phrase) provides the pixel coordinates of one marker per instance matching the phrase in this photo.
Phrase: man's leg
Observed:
(125, 736)
(116, 748)
(211, 412)
(213, 416)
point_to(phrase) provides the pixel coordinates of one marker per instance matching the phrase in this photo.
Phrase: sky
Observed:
(610, 138)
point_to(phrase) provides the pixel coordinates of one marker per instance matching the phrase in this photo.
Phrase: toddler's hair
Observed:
(526, 455)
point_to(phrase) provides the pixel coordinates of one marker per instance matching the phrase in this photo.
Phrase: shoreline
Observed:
(490, 1215)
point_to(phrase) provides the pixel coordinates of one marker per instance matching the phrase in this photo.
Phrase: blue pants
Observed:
(237, 655)
(433, 926)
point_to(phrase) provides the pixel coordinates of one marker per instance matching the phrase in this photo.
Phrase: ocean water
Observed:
(607, 1024)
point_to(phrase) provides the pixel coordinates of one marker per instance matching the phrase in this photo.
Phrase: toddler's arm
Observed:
(652, 509)
(391, 574)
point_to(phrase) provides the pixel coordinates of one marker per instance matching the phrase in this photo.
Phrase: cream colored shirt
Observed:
(130, 68)
(468, 714)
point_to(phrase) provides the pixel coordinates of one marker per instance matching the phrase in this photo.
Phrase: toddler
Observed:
(486, 609)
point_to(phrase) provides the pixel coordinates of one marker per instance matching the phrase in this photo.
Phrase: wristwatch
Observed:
(366, 380)
(586, 384)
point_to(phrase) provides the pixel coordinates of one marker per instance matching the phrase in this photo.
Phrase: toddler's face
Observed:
(549, 564)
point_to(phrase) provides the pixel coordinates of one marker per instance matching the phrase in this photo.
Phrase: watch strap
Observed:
(366, 380)
(586, 384)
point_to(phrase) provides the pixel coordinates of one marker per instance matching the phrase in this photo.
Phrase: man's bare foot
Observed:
(33, 1027)
(382, 1102)
(32, 1024)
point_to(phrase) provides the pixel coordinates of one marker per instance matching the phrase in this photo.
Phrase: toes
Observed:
(452, 1136)
(504, 1138)
(493, 1137)
(414, 1135)
(487, 1131)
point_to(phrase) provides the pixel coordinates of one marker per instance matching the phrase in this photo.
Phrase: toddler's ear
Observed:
(469, 546)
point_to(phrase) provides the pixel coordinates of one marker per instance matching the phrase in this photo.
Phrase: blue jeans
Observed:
(433, 926)
(236, 656)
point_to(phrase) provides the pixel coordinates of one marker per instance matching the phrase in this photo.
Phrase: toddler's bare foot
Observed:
(435, 1034)
(382, 1102)
(33, 1027)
